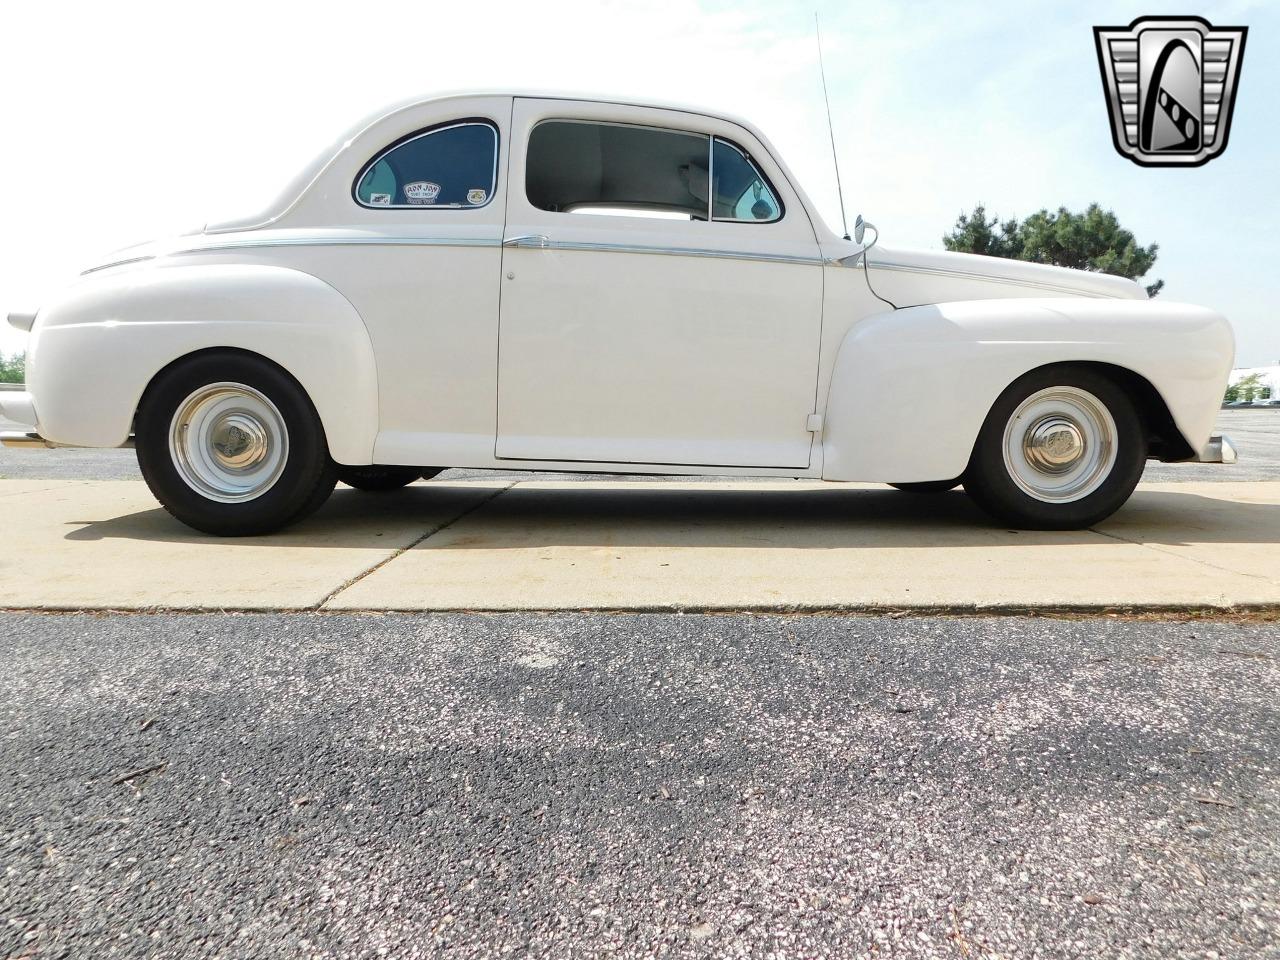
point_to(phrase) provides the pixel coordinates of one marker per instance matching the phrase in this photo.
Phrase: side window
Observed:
(618, 169)
(739, 189)
(582, 167)
(454, 166)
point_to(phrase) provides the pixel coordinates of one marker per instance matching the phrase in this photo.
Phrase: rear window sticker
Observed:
(477, 196)
(380, 199)
(421, 191)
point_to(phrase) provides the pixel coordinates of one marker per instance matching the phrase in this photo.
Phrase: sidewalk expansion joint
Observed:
(407, 547)
(1182, 556)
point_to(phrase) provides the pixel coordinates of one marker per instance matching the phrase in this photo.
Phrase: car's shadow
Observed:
(469, 517)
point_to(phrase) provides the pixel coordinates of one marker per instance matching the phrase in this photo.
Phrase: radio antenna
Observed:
(835, 161)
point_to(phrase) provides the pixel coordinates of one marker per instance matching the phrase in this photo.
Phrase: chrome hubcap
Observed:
(228, 442)
(1053, 445)
(1060, 444)
(239, 441)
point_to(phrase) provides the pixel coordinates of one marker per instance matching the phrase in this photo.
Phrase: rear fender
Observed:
(95, 349)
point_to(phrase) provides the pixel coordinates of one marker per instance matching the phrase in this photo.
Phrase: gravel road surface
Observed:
(283, 786)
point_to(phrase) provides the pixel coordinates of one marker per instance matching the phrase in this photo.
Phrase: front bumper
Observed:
(1219, 449)
(25, 441)
(17, 405)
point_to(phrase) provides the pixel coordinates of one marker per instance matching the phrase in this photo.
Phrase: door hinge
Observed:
(814, 423)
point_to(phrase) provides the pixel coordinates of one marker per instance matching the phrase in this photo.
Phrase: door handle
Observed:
(539, 240)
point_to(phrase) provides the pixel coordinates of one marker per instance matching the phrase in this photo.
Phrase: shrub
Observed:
(12, 369)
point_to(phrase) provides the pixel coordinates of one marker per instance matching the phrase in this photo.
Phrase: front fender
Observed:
(95, 349)
(911, 388)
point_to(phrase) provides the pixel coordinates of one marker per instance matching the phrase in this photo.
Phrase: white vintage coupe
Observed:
(549, 283)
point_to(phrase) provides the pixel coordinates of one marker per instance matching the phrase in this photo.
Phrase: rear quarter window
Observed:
(453, 166)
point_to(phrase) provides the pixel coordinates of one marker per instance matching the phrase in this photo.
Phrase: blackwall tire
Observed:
(1061, 449)
(231, 445)
(378, 479)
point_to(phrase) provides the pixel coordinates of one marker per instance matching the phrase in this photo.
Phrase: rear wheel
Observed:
(1061, 449)
(231, 445)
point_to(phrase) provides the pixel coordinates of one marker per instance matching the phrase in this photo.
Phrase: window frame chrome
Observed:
(711, 191)
(418, 135)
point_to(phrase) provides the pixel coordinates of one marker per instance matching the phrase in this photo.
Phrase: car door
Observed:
(413, 212)
(661, 293)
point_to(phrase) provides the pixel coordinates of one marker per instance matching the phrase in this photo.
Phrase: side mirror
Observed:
(860, 228)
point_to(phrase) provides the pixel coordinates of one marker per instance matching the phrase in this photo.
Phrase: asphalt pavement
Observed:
(637, 786)
(586, 785)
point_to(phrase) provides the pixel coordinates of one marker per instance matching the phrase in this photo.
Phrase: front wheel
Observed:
(1061, 449)
(231, 445)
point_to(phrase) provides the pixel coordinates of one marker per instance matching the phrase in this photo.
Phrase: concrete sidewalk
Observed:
(535, 545)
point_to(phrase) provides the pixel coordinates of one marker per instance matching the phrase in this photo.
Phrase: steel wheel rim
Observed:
(1060, 444)
(228, 442)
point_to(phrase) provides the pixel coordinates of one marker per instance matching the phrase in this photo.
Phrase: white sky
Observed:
(124, 121)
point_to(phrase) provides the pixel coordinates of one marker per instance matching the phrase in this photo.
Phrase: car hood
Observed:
(908, 278)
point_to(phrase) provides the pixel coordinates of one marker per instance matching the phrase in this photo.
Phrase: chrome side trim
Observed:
(855, 260)
(116, 263)
(538, 240)
(587, 247)
(344, 242)
(582, 246)
(970, 275)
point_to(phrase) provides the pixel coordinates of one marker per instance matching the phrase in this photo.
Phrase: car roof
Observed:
(540, 94)
(298, 187)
